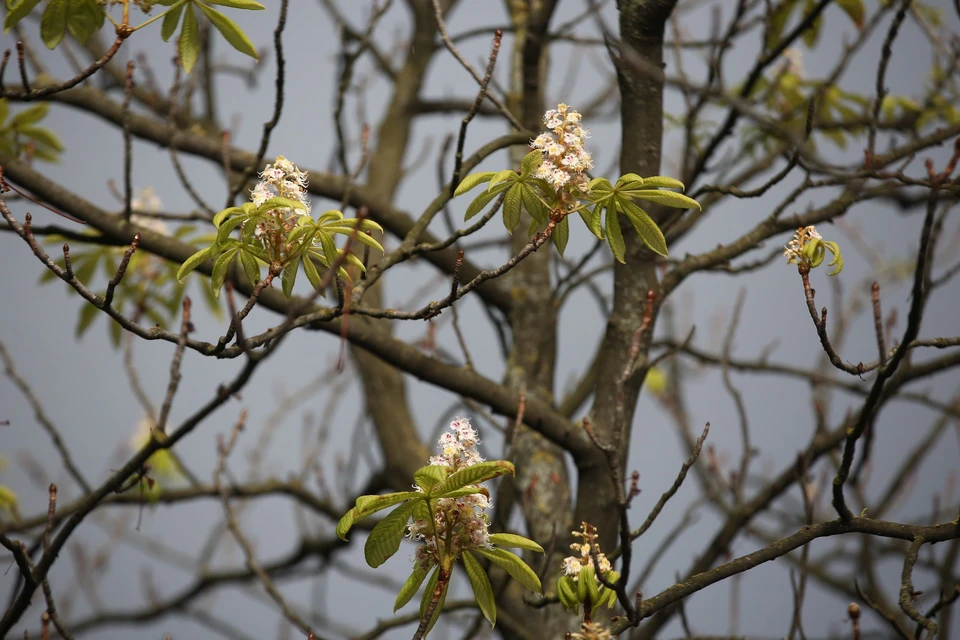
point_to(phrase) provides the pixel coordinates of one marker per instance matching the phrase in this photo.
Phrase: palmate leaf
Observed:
(384, 540)
(482, 590)
(473, 474)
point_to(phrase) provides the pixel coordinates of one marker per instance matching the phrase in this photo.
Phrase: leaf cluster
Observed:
(20, 136)
(523, 191)
(815, 251)
(183, 14)
(436, 482)
(308, 242)
(586, 592)
(149, 287)
(82, 18)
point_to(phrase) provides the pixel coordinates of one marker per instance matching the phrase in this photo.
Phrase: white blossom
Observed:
(793, 251)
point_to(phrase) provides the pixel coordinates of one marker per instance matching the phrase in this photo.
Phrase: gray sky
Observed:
(84, 390)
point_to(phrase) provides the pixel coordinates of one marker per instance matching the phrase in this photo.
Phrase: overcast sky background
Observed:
(84, 390)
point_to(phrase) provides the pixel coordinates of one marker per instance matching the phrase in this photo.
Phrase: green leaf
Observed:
(53, 23)
(614, 234)
(567, 592)
(230, 31)
(226, 213)
(410, 587)
(513, 565)
(115, 331)
(502, 176)
(511, 207)
(854, 9)
(812, 34)
(288, 277)
(193, 262)
(588, 579)
(600, 187)
(225, 229)
(561, 234)
(359, 237)
(530, 162)
(189, 39)
(30, 115)
(656, 182)
(592, 219)
(220, 266)
(88, 313)
(384, 540)
(481, 588)
(430, 476)
(279, 202)
(479, 203)
(778, 21)
(473, 474)
(171, 20)
(311, 270)
(43, 136)
(533, 204)
(646, 228)
(84, 18)
(514, 541)
(668, 198)
(238, 4)
(471, 182)
(367, 505)
(18, 12)
(250, 266)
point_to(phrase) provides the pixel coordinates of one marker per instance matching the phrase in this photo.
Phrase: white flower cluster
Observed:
(465, 517)
(283, 179)
(145, 202)
(565, 161)
(458, 447)
(592, 631)
(793, 251)
(573, 565)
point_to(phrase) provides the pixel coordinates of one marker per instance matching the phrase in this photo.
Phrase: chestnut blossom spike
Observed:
(793, 251)
(565, 161)
(281, 179)
(582, 558)
(145, 202)
(463, 517)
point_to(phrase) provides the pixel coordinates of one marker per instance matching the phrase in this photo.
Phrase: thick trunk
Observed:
(639, 72)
